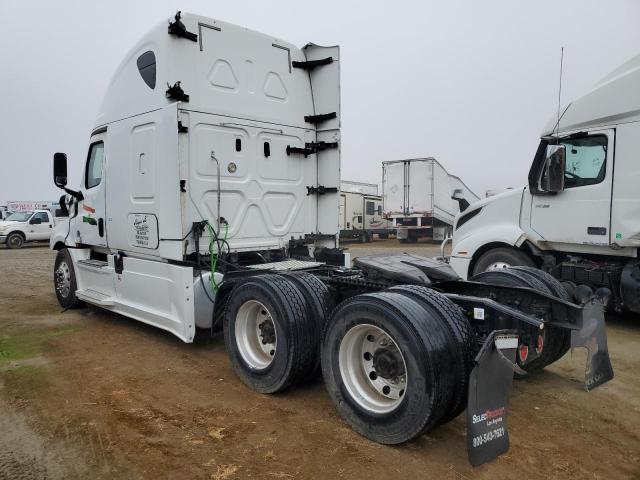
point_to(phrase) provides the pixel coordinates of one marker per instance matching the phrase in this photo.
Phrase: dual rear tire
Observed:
(272, 328)
(396, 363)
(556, 341)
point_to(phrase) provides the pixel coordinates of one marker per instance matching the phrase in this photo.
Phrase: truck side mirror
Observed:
(458, 196)
(60, 169)
(553, 176)
(36, 221)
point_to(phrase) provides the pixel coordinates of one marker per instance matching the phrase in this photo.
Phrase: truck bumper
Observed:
(3, 239)
(461, 266)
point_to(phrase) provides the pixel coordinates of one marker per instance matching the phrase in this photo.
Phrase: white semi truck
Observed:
(209, 200)
(361, 212)
(417, 198)
(579, 216)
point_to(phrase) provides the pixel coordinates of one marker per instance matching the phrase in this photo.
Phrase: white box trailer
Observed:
(213, 204)
(361, 212)
(417, 198)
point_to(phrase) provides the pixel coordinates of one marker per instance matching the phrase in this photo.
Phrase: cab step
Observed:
(95, 298)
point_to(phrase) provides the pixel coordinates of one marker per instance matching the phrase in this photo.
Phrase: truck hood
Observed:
(503, 209)
(5, 223)
(505, 197)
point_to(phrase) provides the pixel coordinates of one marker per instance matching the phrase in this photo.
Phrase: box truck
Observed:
(417, 198)
(579, 216)
(209, 200)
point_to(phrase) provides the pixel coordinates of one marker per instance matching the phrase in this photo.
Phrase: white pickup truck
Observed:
(28, 226)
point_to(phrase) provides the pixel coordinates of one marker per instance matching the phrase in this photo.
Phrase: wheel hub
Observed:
(255, 333)
(63, 279)
(497, 266)
(372, 368)
(267, 332)
(388, 363)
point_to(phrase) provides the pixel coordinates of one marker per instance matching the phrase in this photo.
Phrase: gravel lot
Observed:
(90, 394)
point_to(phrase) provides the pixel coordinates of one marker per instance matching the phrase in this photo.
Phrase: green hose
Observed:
(213, 255)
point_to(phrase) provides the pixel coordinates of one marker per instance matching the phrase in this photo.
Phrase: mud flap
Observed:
(593, 337)
(489, 387)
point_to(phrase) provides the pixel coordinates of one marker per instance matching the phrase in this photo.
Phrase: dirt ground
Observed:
(90, 394)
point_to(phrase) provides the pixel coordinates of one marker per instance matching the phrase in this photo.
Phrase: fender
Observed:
(497, 223)
(465, 252)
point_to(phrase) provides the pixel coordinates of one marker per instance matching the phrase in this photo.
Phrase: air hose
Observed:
(214, 251)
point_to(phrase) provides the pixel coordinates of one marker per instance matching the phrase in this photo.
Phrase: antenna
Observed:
(559, 97)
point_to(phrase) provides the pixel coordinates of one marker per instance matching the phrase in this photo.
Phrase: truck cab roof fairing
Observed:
(228, 71)
(614, 99)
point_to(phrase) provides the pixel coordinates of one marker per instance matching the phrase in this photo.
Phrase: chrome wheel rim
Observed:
(63, 279)
(256, 334)
(373, 368)
(497, 266)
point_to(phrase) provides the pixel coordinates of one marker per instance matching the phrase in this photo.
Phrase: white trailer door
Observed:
(394, 188)
(420, 186)
(372, 213)
(581, 213)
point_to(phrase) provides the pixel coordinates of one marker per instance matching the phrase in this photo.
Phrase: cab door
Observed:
(40, 226)
(581, 213)
(92, 208)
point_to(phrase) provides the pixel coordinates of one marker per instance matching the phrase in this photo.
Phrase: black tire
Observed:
(557, 290)
(15, 240)
(510, 277)
(296, 338)
(412, 236)
(383, 236)
(509, 256)
(64, 281)
(420, 337)
(462, 341)
(319, 305)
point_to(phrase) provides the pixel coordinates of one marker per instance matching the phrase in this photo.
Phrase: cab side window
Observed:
(95, 159)
(44, 218)
(586, 160)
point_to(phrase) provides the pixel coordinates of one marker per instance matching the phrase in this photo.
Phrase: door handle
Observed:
(101, 227)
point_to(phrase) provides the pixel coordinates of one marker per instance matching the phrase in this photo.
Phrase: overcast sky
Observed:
(470, 82)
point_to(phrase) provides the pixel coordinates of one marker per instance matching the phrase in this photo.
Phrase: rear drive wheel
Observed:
(64, 281)
(511, 277)
(558, 290)
(502, 257)
(15, 240)
(319, 305)
(269, 335)
(461, 344)
(385, 365)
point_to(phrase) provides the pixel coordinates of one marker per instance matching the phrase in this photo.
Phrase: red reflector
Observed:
(539, 344)
(523, 353)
